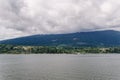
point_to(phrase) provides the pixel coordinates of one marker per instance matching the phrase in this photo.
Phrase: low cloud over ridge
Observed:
(28, 17)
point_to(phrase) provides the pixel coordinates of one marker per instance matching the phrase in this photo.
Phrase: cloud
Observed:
(28, 17)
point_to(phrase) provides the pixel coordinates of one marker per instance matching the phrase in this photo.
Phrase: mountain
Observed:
(95, 38)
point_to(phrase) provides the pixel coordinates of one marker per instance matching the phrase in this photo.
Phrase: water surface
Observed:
(60, 67)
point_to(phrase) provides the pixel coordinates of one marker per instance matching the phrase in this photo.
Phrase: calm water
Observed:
(60, 67)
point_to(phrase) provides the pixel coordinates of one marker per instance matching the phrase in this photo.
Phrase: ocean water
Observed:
(60, 67)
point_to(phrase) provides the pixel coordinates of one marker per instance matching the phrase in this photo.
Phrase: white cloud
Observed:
(28, 17)
(6, 33)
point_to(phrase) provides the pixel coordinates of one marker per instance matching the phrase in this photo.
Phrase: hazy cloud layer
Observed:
(28, 17)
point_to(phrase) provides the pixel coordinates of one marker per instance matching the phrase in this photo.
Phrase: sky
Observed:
(29, 17)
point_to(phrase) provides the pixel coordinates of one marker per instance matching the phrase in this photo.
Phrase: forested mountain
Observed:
(96, 38)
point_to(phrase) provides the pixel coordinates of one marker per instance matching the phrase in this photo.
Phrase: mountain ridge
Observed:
(94, 38)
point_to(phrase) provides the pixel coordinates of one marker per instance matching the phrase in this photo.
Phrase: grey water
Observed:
(60, 67)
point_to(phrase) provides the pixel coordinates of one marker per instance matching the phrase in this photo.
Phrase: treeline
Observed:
(12, 49)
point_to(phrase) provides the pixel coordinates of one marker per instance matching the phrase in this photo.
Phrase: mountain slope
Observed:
(96, 38)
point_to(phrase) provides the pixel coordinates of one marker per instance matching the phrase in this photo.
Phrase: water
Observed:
(60, 67)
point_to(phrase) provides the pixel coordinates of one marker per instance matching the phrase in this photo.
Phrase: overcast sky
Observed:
(29, 17)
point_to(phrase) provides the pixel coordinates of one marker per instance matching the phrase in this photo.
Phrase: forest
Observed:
(17, 49)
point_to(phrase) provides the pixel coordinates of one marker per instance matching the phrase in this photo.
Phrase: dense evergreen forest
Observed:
(14, 49)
